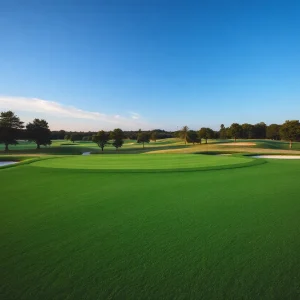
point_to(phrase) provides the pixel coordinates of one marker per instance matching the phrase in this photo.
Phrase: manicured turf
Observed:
(225, 234)
(132, 162)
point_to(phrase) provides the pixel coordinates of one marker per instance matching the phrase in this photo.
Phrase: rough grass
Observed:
(228, 234)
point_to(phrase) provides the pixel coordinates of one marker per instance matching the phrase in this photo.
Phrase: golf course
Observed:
(170, 221)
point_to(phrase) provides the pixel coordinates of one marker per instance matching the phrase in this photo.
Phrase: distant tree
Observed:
(143, 137)
(153, 136)
(193, 137)
(206, 133)
(101, 139)
(67, 137)
(61, 134)
(199, 136)
(273, 132)
(177, 134)
(290, 131)
(118, 138)
(223, 134)
(236, 130)
(38, 131)
(260, 130)
(228, 133)
(10, 128)
(74, 137)
(184, 133)
(247, 131)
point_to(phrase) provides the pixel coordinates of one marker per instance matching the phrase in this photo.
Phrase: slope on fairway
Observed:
(228, 234)
(143, 162)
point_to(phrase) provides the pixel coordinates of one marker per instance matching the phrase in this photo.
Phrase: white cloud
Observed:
(69, 117)
(134, 115)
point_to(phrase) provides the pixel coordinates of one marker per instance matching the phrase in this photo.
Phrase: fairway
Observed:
(132, 162)
(176, 235)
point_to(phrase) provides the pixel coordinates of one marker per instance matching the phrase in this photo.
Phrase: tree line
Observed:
(37, 131)
(117, 137)
(12, 129)
(289, 130)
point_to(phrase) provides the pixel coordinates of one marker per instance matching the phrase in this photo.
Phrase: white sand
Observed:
(86, 153)
(6, 163)
(278, 156)
(238, 144)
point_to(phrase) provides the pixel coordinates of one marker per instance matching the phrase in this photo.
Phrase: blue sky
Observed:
(150, 63)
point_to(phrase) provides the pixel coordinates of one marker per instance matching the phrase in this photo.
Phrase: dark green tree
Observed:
(143, 137)
(273, 132)
(74, 137)
(206, 133)
(10, 128)
(67, 137)
(118, 138)
(101, 139)
(236, 131)
(260, 130)
(38, 131)
(193, 137)
(290, 131)
(247, 131)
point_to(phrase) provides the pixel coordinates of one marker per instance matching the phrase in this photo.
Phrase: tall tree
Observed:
(223, 134)
(247, 131)
(273, 132)
(67, 137)
(101, 139)
(260, 130)
(10, 128)
(236, 130)
(153, 136)
(206, 133)
(290, 131)
(118, 138)
(184, 133)
(143, 137)
(38, 131)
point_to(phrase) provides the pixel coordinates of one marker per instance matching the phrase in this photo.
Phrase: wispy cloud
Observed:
(71, 117)
(134, 115)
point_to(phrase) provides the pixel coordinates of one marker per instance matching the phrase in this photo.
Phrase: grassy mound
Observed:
(139, 163)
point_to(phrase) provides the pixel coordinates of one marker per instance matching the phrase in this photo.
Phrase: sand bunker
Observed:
(278, 156)
(86, 153)
(6, 163)
(238, 144)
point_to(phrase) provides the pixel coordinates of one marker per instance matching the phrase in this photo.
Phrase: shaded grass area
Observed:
(228, 234)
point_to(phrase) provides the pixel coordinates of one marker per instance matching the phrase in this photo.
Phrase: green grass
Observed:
(220, 234)
(134, 162)
(62, 147)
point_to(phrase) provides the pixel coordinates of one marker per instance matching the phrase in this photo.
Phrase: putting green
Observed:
(138, 162)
